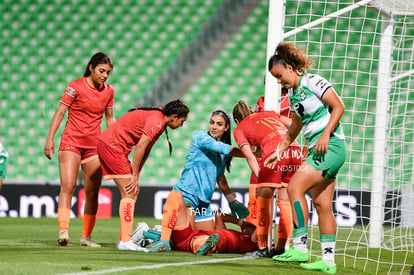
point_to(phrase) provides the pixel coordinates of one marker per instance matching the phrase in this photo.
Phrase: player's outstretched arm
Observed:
(237, 208)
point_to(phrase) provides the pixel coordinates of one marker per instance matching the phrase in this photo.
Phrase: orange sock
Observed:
(63, 219)
(263, 221)
(285, 223)
(170, 213)
(88, 225)
(252, 205)
(126, 214)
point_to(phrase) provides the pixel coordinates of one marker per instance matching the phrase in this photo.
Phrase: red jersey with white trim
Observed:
(285, 107)
(86, 107)
(127, 130)
(261, 129)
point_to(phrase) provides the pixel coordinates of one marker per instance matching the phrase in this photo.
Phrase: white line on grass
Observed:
(120, 269)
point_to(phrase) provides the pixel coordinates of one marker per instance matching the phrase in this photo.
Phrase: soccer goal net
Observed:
(366, 50)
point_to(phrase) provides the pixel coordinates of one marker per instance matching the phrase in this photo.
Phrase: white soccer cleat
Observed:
(88, 242)
(63, 238)
(138, 234)
(130, 245)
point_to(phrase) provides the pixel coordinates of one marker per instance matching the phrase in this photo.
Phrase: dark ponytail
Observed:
(176, 107)
(226, 135)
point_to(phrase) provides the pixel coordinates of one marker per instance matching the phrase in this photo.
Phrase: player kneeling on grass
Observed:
(177, 229)
(208, 159)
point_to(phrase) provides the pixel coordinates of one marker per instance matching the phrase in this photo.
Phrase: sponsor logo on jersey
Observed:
(302, 94)
(71, 92)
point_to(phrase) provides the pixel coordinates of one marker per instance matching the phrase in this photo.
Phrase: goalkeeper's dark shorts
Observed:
(200, 209)
(332, 161)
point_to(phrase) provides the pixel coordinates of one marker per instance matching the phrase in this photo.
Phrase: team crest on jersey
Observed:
(302, 94)
(71, 92)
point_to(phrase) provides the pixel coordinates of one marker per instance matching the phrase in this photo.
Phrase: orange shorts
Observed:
(86, 154)
(280, 176)
(114, 164)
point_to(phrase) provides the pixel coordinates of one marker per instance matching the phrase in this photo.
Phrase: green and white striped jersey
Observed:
(3, 161)
(307, 103)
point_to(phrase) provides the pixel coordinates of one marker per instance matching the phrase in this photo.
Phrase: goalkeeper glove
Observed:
(238, 209)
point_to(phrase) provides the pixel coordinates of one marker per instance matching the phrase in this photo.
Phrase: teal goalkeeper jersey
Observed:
(204, 163)
(307, 103)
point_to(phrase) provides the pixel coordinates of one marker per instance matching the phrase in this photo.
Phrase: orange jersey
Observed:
(261, 129)
(128, 129)
(86, 107)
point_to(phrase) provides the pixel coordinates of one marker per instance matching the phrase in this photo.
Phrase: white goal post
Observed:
(366, 50)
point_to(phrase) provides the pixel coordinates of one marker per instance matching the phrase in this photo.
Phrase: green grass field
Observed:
(29, 246)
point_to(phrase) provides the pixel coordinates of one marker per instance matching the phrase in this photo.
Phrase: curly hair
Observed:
(287, 54)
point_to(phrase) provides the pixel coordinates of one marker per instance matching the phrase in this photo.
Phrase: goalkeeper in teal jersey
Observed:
(210, 155)
(205, 165)
(316, 109)
(3, 163)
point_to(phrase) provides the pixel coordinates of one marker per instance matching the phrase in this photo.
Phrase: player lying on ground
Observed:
(177, 229)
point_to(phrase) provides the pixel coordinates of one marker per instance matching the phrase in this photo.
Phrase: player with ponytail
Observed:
(265, 130)
(317, 109)
(141, 128)
(209, 156)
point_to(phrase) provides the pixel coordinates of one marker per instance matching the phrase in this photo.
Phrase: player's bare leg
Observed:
(69, 163)
(303, 180)
(92, 175)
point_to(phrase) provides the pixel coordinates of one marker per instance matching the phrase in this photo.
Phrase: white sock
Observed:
(300, 237)
(328, 243)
